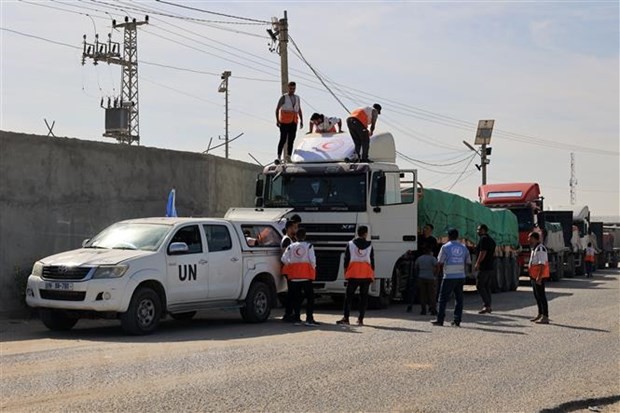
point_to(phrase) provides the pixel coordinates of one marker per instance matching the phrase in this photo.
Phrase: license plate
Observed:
(58, 285)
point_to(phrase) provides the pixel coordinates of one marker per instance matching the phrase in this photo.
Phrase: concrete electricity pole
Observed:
(224, 89)
(573, 180)
(122, 122)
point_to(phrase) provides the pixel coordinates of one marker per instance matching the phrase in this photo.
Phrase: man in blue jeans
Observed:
(452, 260)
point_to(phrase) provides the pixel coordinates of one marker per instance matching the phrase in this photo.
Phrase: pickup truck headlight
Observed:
(110, 271)
(37, 269)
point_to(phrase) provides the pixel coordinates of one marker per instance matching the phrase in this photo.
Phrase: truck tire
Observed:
(183, 316)
(257, 303)
(57, 320)
(144, 312)
(383, 300)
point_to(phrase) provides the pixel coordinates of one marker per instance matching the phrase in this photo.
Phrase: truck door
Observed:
(225, 262)
(393, 217)
(187, 271)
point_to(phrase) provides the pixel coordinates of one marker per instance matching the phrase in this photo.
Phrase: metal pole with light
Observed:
(483, 138)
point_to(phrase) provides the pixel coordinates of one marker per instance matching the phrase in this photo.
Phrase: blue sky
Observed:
(545, 70)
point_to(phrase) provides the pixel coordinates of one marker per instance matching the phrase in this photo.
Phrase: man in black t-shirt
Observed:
(485, 252)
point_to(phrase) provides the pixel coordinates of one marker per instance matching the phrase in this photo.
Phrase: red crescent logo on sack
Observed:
(330, 146)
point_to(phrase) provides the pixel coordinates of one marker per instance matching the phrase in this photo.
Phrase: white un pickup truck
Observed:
(142, 269)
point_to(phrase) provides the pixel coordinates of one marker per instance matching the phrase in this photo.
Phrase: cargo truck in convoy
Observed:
(525, 201)
(334, 196)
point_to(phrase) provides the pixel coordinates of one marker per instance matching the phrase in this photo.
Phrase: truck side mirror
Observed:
(381, 190)
(259, 187)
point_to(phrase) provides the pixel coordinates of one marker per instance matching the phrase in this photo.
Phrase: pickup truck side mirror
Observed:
(177, 248)
(85, 242)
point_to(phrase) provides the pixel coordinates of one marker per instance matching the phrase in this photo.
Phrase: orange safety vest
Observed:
(364, 115)
(298, 261)
(289, 111)
(535, 270)
(359, 265)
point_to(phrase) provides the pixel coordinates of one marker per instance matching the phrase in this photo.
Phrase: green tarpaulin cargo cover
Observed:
(445, 211)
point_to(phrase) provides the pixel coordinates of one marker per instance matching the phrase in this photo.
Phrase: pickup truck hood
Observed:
(92, 257)
(257, 214)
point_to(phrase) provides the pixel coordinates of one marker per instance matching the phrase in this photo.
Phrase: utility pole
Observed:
(224, 89)
(122, 122)
(283, 38)
(483, 138)
(573, 180)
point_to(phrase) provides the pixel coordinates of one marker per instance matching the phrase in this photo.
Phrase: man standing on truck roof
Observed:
(288, 239)
(539, 271)
(288, 113)
(453, 258)
(324, 124)
(358, 123)
(485, 252)
(359, 264)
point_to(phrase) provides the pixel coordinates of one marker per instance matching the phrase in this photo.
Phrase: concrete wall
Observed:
(55, 192)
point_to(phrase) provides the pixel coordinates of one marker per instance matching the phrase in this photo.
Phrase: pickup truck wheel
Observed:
(257, 304)
(57, 320)
(144, 312)
(183, 316)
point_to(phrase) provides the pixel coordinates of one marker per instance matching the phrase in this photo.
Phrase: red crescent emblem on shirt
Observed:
(299, 252)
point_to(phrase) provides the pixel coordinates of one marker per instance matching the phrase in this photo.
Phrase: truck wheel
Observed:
(383, 300)
(57, 320)
(144, 312)
(257, 304)
(183, 316)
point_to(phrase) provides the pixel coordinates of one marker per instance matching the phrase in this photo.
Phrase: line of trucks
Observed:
(141, 270)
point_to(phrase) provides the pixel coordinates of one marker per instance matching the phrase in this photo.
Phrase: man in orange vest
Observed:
(358, 123)
(288, 113)
(300, 267)
(539, 272)
(589, 260)
(359, 264)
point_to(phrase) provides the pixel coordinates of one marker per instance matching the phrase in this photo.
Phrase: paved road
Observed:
(398, 362)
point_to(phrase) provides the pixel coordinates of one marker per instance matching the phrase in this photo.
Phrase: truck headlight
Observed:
(37, 269)
(110, 271)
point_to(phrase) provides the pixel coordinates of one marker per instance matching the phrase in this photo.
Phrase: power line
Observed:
(214, 13)
(461, 175)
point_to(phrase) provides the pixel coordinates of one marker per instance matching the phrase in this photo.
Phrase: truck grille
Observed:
(60, 272)
(330, 241)
(63, 295)
(327, 265)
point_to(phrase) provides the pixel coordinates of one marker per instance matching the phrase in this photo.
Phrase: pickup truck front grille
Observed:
(62, 295)
(61, 272)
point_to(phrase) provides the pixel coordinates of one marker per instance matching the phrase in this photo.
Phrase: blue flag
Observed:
(171, 210)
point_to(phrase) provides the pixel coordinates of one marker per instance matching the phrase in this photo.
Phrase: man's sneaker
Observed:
(485, 310)
(455, 323)
(311, 323)
(297, 321)
(535, 319)
(543, 320)
(437, 323)
(343, 321)
(360, 322)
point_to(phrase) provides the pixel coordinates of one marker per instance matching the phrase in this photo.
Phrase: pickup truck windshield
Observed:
(317, 192)
(146, 237)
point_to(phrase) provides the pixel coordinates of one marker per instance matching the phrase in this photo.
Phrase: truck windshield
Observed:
(130, 236)
(317, 192)
(525, 218)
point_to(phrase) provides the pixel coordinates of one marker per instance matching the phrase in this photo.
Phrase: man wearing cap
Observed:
(358, 123)
(452, 260)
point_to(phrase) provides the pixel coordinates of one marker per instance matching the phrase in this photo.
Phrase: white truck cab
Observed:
(142, 269)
